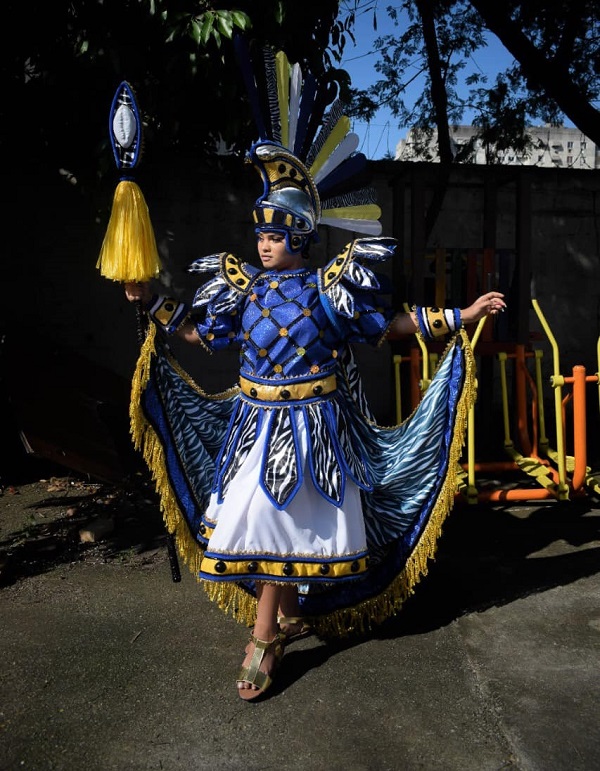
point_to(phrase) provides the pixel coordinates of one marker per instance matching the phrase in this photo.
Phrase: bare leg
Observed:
(290, 608)
(265, 627)
(288, 601)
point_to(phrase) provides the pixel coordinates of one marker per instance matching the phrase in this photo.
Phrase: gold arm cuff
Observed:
(288, 391)
(437, 322)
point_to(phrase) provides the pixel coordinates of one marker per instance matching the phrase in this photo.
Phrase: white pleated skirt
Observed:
(247, 524)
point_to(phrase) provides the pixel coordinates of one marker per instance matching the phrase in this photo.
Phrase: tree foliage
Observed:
(555, 72)
(68, 56)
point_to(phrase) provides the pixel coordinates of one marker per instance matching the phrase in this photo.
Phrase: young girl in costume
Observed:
(295, 509)
(306, 492)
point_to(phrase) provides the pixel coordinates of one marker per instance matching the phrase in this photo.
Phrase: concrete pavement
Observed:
(492, 665)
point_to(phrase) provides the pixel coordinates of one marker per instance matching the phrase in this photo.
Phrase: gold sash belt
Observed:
(287, 392)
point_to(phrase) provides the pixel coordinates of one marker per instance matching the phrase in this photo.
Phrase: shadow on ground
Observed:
(492, 556)
(488, 556)
(42, 524)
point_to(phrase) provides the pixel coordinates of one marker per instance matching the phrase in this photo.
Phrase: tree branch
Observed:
(546, 73)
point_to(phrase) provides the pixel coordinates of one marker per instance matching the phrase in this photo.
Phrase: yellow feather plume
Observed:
(129, 250)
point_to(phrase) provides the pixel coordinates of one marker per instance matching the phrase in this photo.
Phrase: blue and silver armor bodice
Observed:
(293, 328)
(291, 324)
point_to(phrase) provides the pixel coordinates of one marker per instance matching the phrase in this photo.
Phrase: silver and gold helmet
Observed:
(290, 202)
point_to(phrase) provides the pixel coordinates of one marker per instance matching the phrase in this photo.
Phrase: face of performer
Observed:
(274, 254)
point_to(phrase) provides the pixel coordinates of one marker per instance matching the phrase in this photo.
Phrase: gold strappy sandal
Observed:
(252, 673)
(305, 628)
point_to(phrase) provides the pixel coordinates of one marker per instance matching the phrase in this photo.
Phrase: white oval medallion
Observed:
(124, 126)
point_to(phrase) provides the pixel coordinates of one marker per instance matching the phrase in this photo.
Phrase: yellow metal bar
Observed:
(478, 332)
(424, 354)
(556, 382)
(433, 361)
(502, 359)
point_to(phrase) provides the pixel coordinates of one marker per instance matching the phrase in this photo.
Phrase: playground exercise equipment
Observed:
(554, 474)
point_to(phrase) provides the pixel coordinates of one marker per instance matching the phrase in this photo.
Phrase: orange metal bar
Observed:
(579, 427)
(499, 496)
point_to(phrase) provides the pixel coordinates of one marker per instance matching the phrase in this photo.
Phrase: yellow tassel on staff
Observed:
(129, 250)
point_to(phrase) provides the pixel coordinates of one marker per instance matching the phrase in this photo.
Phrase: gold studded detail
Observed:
(333, 272)
(233, 272)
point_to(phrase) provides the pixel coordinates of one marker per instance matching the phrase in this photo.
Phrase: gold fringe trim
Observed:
(240, 604)
(147, 442)
(233, 600)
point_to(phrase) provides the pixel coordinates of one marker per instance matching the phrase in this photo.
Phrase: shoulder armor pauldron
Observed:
(349, 263)
(237, 274)
(333, 272)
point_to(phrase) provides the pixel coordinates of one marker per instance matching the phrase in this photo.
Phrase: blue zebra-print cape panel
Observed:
(205, 439)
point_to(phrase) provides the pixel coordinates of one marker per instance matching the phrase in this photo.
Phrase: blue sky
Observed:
(381, 136)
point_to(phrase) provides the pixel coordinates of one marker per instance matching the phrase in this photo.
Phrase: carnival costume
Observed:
(286, 477)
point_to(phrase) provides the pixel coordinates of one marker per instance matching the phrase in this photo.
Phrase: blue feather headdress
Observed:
(306, 153)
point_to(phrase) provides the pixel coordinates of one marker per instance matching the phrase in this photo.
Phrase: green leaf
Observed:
(195, 31)
(224, 23)
(208, 20)
(279, 13)
(241, 20)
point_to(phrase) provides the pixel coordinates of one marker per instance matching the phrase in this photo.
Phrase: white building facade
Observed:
(549, 147)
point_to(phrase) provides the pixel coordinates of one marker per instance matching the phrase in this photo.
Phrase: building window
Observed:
(583, 145)
(569, 160)
(569, 145)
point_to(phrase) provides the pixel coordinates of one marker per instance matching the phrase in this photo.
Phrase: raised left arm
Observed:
(489, 304)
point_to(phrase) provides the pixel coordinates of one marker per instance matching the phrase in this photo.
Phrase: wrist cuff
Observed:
(168, 314)
(437, 322)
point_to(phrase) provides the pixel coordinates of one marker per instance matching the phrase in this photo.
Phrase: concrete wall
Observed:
(56, 295)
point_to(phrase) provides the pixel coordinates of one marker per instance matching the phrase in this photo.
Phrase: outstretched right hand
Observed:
(138, 291)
